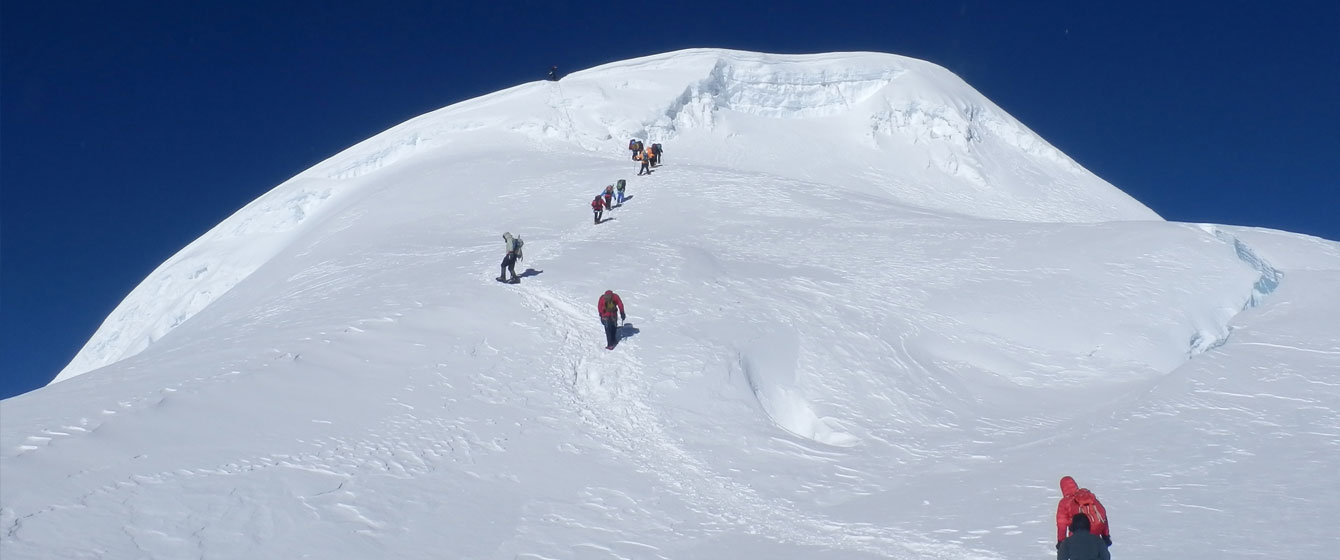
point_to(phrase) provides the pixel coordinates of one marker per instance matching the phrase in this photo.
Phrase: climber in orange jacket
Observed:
(609, 307)
(646, 163)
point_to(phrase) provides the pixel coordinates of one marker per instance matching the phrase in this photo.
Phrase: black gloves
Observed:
(1107, 539)
(1058, 545)
(623, 317)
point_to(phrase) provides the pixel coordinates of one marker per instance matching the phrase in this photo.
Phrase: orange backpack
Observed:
(1088, 505)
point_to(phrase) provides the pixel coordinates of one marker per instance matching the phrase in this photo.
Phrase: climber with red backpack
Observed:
(610, 307)
(1076, 500)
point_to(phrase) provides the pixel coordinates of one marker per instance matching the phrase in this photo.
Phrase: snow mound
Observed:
(770, 370)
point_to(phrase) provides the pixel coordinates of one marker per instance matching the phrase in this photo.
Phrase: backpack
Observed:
(516, 246)
(611, 308)
(632, 144)
(620, 185)
(1088, 505)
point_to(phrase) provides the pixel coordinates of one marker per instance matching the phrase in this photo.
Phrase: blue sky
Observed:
(128, 129)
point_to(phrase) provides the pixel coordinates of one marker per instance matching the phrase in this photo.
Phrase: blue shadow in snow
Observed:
(626, 330)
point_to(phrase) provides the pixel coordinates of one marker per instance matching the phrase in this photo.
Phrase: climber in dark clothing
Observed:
(1081, 544)
(553, 74)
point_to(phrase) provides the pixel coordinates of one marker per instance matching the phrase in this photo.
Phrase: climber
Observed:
(598, 205)
(513, 254)
(1080, 500)
(608, 305)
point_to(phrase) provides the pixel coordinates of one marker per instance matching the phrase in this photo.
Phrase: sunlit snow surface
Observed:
(870, 315)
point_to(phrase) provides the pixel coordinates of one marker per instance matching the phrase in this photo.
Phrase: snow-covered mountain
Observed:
(870, 315)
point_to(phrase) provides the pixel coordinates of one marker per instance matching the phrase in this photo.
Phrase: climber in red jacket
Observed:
(598, 205)
(1080, 500)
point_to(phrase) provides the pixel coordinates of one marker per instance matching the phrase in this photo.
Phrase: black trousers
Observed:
(645, 167)
(598, 213)
(508, 265)
(611, 330)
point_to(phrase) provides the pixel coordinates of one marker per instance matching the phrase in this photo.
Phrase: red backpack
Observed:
(1088, 505)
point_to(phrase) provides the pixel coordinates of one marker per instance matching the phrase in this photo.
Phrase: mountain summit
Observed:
(869, 315)
(897, 130)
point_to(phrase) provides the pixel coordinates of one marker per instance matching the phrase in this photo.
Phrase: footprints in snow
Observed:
(85, 426)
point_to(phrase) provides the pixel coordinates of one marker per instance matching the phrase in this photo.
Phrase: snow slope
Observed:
(897, 129)
(870, 316)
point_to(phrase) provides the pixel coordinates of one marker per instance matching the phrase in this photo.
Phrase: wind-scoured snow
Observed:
(870, 315)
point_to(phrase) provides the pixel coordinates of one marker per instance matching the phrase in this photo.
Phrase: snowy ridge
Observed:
(835, 348)
(201, 273)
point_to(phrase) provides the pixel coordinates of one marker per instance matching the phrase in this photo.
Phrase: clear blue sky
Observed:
(128, 129)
